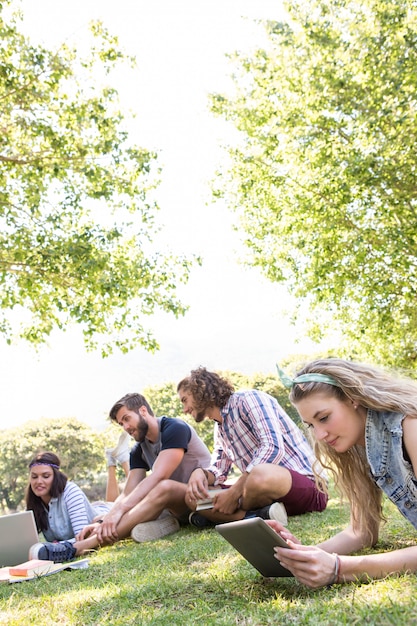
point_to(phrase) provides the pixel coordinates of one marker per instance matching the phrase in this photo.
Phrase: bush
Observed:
(77, 445)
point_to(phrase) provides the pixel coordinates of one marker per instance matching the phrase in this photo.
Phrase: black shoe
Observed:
(262, 513)
(275, 511)
(56, 552)
(199, 521)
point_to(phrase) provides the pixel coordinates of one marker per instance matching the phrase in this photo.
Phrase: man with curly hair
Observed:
(254, 433)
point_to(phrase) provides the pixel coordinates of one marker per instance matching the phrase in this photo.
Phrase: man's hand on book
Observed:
(226, 502)
(207, 503)
(197, 488)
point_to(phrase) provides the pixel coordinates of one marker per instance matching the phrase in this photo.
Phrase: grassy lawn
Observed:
(195, 577)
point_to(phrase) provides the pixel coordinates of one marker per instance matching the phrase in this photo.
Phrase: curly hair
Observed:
(33, 502)
(207, 388)
(372, 388)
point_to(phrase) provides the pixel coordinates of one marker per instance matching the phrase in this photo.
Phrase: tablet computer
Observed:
(255, 541)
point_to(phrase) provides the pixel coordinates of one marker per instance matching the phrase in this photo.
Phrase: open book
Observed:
(31, 570)
(207, 503)
(34, 567)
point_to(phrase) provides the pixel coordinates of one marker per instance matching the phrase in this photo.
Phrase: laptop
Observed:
(255, 541)
(17, 534)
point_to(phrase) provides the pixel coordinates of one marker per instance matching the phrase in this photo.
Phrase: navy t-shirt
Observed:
(173, 433)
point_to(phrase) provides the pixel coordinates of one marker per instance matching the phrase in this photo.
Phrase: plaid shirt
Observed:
(255, 430)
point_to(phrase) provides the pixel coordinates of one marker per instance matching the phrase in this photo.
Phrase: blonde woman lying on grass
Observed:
(364, 425)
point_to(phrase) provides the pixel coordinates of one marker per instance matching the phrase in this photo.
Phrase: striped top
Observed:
(70, 512)
(256, 430)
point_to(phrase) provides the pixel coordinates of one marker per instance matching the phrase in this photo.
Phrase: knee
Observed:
(266, 482)
(162, 489)
(257, 478)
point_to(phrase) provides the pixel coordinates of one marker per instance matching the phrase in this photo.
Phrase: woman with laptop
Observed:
(61, 509)
(364, 425)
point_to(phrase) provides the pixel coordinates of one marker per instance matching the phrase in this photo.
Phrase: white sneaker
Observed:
(121, 452)
(149, 531)
(278, 513)
(110, 460)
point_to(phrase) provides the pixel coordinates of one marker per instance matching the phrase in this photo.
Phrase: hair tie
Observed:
(305, 378)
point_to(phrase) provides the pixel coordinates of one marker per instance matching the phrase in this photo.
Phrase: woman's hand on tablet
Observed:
(282, 530)
(311, 566)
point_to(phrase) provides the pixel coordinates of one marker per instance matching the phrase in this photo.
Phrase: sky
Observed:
(237, 320)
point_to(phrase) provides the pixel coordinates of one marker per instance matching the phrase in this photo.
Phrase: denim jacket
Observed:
(390, 470)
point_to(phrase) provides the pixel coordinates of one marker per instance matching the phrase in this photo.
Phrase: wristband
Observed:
(336, 573)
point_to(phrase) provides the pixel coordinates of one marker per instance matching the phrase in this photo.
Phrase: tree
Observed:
(77, 213)
(324, 177)
(79, 448)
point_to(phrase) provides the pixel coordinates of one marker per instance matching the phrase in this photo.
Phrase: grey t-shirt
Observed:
(173, 433)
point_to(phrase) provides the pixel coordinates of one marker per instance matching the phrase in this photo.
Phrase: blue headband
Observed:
(305, 378)
(44, 463)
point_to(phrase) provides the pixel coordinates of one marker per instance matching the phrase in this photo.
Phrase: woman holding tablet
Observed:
(364, 426)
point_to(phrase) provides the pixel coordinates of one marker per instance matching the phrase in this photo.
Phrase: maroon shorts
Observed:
(303, 497)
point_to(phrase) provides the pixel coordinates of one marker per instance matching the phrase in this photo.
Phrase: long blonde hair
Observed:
(370, 388)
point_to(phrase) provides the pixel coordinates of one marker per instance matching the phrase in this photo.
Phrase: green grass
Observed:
(195, 578)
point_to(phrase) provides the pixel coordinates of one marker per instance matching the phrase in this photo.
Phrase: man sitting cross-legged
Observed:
(151, 505)
(253, 432)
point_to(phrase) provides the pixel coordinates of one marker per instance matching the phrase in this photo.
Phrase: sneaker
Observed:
(121, 452)
(56, 552)
(275, 511)
(199, 521)
(110, 460)
(149, 531)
